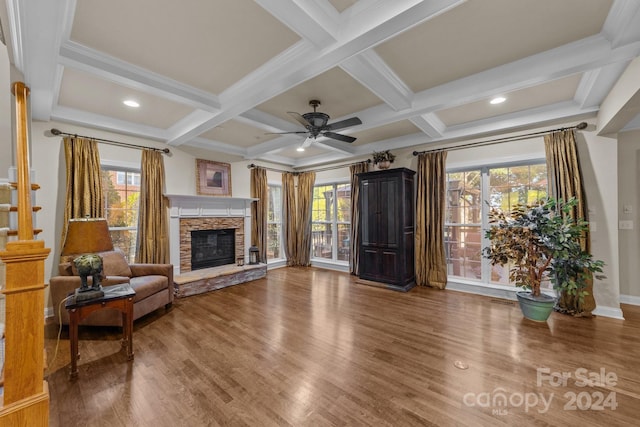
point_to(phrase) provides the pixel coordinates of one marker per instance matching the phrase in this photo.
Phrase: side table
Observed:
(119, 297)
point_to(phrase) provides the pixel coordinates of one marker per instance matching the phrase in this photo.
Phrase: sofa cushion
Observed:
(148, 285)
(115, 264)
(65, 269)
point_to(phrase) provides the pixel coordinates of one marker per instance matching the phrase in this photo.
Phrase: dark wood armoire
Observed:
(387, 228)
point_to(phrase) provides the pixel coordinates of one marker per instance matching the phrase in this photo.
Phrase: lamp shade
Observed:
(87, 235)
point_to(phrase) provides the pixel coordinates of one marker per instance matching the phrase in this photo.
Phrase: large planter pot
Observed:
(535, 308)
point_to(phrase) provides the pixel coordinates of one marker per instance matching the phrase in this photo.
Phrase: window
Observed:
(122, 193)
(331, 222)
(274, 223)
(127, 178)
(467, 213)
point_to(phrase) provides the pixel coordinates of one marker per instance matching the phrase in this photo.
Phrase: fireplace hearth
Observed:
(212, 248)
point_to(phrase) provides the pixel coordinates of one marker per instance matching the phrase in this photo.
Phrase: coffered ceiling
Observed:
(218, 76)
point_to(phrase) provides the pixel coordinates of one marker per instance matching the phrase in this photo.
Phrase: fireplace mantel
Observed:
(190, 206)
(184, 206)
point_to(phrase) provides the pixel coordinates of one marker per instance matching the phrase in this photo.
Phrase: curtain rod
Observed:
(252, 165)
(579, 126)
(57, 132)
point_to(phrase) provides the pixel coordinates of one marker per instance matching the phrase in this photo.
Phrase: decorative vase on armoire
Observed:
(387, 228)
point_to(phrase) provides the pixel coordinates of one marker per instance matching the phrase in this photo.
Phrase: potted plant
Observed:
(383, 159)
(541, 241)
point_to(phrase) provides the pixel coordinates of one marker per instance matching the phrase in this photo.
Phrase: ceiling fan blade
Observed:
(307, 142)
(339, 137)
(284, 133)
(353, 121)
(299, 118)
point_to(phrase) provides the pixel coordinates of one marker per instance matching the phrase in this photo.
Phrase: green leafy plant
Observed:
(382, 156)
(542, 239)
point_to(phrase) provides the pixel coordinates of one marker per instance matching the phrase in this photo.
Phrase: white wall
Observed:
(629, 196)
(598, 159)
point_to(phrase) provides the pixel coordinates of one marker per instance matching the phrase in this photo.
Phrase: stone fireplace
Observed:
(189, 214)
(210, 227)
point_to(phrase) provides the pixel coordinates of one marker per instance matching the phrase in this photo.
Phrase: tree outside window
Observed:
(122, 194)
(274, 223)
(467, 213)
(331, 222)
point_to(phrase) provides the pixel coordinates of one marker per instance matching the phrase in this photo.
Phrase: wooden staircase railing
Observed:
(26, 394)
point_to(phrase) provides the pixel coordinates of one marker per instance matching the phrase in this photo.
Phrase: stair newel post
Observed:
(26, 395)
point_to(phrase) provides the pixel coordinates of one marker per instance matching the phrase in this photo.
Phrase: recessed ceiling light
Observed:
(498, 100)
(131, 103)
(300, 149)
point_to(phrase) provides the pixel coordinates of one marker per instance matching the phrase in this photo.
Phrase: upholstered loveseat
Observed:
(153, 284)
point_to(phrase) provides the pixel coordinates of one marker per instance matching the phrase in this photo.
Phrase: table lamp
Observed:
(85, 237)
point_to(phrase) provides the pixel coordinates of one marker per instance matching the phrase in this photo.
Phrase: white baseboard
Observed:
(472, 288)
(330, 265)
(630, 299)
(509, 293)
(48, 312)
(276, 264)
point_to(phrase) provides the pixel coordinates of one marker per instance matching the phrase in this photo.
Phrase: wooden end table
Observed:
(119, 297)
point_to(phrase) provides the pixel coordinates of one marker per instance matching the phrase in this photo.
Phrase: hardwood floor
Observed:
(311, 347)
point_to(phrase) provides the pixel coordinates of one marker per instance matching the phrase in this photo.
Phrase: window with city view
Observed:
(331, 222)
(122, 194)
(274, 223)
(467, 213)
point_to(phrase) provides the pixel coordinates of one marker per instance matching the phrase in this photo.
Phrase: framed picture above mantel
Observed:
(213, 178)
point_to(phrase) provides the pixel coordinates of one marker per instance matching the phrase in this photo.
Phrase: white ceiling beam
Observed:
(374, 74)
(273, 145)
(430, 124)
(556, 113)
(622, 104)
(209, 144)
(560, 112)
(596, 84)
(190, 121)
(123, 73)
(36, 36)
(266, 121)
(621, 26)
(336, 146)
(312, 21)
(303, 62)
(383, 19)
(71, 115)
(577, 57)
(305, 162)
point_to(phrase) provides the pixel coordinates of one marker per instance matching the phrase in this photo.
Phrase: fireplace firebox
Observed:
(212, 248)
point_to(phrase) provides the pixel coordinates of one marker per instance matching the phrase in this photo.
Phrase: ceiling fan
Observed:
(316, 125)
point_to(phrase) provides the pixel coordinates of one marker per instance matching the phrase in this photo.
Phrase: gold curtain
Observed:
(153, 242)
(84, 195)
(303, 221)
(354, 238)
(431, 266)
(259, 209)
(565, 181)
(289, 217)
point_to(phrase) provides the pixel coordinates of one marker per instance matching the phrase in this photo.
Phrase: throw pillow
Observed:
(115, 264)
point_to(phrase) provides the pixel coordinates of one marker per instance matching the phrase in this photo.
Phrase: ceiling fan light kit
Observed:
(317, 124)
